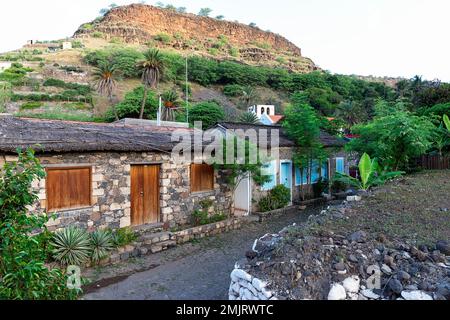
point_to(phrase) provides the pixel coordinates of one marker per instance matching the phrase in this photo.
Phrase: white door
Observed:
(242, 198)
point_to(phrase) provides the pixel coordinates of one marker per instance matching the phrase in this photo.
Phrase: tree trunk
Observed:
(114, 108)
(144, 100)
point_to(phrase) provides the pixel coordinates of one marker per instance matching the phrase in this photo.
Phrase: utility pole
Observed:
(187, 91)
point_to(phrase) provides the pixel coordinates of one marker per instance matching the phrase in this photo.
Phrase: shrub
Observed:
(163, 37)
(233, 90)
(31, 105)
(213, 51)
(200, 217)
(122, 237)
(130, 107)
(218, 217)
(320, 187)
(71, 246)
(209, 113)
(97, 34)
(101, 244)
(23, 274)
(279, 197)
(234, 52)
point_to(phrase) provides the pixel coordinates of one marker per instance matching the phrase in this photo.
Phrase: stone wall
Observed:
(111, 184)
(246, 287)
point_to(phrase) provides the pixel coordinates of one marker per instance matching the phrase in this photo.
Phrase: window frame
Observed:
(68, 167)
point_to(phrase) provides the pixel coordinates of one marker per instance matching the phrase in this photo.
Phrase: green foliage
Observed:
(31, 105)
(124, 236)
(81, 89)
(5, 95)
(71, 246)
(97, 34)
(131, 105)
(370, 173)
(60, 113)
(218, 217)
(209, 113)
(163, 37)
(124, 59)
(23, 274)
(233, 90)
(248, 117)
(213, 51)
(234, 52)
(394, 139)
(15, 75)
(320, 187)
(279, 197)
(200, 217)
(101, 243)
(446, 121)
(204, 12)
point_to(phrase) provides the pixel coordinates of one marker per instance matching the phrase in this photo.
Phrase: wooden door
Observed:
(144, 194)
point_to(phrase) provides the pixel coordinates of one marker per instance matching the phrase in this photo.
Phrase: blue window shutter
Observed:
(325, 170)
(297, 176)
(340, 165)
(315, 172)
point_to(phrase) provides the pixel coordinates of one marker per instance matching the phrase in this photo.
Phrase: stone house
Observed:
(281, 167)
(112, 175)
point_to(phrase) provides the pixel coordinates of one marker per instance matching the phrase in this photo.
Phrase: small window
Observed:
(315, 172)
(301, 178)
(340, 165)
(68, 188)
(262, 110)
(202, 177)
(269, 169)
(268, 112)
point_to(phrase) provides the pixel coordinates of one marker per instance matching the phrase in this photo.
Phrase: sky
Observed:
(365, 37)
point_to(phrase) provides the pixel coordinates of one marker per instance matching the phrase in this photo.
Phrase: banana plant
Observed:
(370, 172)
(447, 122)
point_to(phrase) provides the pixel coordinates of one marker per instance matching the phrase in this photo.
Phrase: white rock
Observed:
(262, 297)
(231, 297)
(368, 293)
(259, 284)
(235, 287)
(268, 294)
(416, 295)
(337, 292)
(241, 274)
(353, 296)
(385, 268)
(351, 284)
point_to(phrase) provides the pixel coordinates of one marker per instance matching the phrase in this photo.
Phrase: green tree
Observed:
(152, 68)
(302, 125)
(105, 77)
(171, 102)
(394, 138)
(23, 274)
(130, 107)
(209, 113)
(204, 12)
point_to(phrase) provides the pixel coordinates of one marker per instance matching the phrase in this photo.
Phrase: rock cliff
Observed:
(144, 24)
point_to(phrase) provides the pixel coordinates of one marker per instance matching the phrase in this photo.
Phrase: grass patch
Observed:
(60, 114)
(31, 105)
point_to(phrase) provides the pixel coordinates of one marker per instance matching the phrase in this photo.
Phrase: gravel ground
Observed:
(195, 271)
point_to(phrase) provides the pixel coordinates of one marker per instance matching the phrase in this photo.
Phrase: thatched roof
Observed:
(325, 138)
(69, 136)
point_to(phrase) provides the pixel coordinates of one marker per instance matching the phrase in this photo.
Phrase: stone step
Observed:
(149, 228)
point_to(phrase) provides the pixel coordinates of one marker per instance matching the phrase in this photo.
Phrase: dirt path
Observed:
(196, 271)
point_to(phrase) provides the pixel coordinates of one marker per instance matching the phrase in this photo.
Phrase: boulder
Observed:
(358, 236)
(351, 284)
(444, 247)
(416, 295)
(337, 292)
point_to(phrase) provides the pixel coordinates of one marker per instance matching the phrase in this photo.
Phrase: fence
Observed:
(434, 162)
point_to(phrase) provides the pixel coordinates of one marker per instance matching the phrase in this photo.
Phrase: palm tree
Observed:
(171, 101)
(248, 117)
(248, 95)
(105, 77)
(152, 67)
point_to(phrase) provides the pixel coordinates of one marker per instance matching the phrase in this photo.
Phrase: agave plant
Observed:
(370, 172)
(71, 246)
(101, 244)
(447, 122)
(249, 118)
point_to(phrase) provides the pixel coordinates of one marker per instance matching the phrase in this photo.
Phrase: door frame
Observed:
(283, 161)
(142, 164)
(249, 194)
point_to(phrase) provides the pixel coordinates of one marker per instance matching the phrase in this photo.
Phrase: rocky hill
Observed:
(144, 24)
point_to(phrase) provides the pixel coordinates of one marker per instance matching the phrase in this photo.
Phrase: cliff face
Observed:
(142, 24)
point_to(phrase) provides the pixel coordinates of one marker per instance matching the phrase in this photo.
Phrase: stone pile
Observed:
(300, 263)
